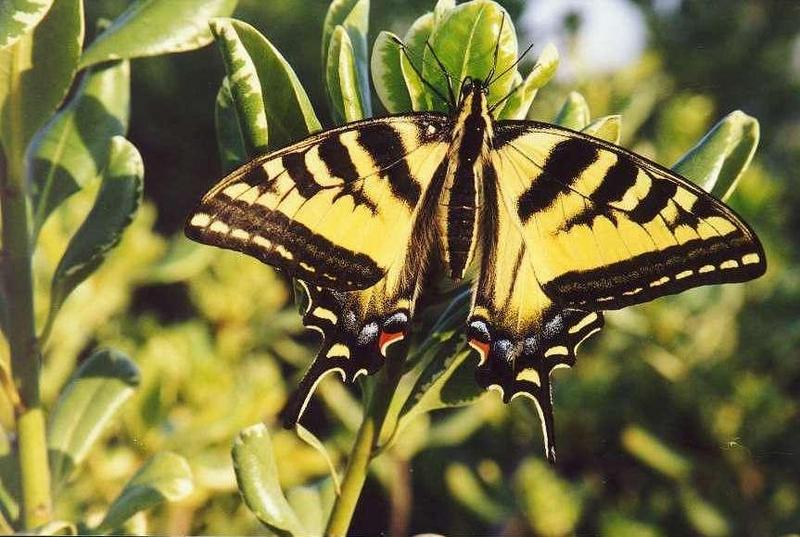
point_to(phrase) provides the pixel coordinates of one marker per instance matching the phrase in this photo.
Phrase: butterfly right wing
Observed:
(332, 209)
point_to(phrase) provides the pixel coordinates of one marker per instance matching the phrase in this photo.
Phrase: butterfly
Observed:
(560, 226)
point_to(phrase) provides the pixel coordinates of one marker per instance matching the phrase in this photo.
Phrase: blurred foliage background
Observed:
(681, 416)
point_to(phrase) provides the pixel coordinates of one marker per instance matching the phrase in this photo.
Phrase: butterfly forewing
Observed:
(610, 228)
(333, 209)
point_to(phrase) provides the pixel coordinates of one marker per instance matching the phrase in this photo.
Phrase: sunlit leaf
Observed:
(353, 17)
(705, 518)
(441, 9)
(17, 17)
(56, 527)
(606, 128)
(309, 438)
(265, 84)
(257, 476)
(465, 41)
(72, 148)
(550, 503)
(85, 407)
(655, 454)
(723, 155)
(230, 141)
(10, 486)
(342, 79)
(467, 490)
(35, 74)
(411, 62)
(618, 525)
(244, 86)
(153, 27)
(574, 114)
(307, 502)
(387, 74)
(116, 203)
(520, 101)
(166, 477)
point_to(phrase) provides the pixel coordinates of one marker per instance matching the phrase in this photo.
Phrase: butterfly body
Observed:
(561, 226)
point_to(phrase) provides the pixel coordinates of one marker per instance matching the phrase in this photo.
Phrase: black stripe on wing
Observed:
(323, 261)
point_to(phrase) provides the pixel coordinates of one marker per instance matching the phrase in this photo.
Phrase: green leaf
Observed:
(465, 488)
(312, 505)
(338, 12)
(441, 9)
(309, 438)
(72, 148)
(165, 477)
(655, 454)
(3, 308)
(387, 74)
(266, 84)
(10, 486)
(244, 85)
(56, 527)
(718, 160)
(519, 104)
(606, 128)
(153, 27)
(91, 398)
(257, 477)
(116, 203)
(575, 112)
(618, 525)
(342, 79)
(35, 74)
(551, 505)
(230, 141)
(18, 17)
(415, 39)
(447, 382)
(464, 41)
(353, 16)
(703, 516)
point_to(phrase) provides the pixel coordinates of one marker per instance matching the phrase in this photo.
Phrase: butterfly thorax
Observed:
(461, 194)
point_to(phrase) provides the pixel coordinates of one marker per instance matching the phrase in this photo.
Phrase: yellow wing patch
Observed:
(333, 209)
(609, 228)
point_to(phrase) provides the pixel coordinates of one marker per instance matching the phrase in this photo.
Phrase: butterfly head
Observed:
(470, 87)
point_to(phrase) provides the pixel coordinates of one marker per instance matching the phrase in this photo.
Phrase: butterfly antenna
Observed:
(496, 49)
(512, 66)
(430, 86)
(515, 88)
(445, 71)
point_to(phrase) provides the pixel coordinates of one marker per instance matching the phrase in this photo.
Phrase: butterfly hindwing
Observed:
(356, 331)
(332, 209)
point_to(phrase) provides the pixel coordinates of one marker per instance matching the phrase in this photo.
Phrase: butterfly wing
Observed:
(333, 209)
(579, 225)
(611, 228)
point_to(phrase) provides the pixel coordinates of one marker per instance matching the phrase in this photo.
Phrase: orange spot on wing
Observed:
(387, 338)
(481, 347)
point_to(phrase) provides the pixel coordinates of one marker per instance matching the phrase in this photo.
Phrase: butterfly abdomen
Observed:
(460, 198)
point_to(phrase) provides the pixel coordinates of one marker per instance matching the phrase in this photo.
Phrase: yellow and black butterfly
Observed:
(561, 225)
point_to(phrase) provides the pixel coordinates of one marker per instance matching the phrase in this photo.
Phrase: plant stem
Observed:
(17, 279)
(363, 448)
